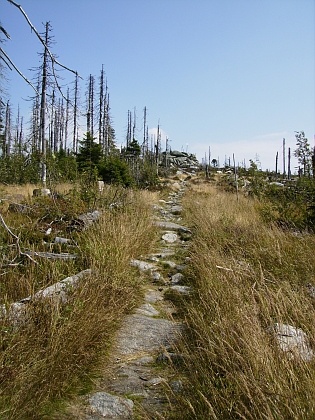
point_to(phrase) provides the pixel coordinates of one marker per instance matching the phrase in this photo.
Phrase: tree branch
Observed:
(17, 239)
(5, 32)
(40, 38)
(16, 69)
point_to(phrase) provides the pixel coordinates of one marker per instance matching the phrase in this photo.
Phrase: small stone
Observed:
(156, 276)
(59, 240)
(155, 381)
(176, 386)
(183, 290)
(176, 278)
(170, 237)
(176, 209)
(170, 263)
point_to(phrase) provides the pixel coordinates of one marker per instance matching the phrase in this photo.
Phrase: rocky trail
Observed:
(140, 382)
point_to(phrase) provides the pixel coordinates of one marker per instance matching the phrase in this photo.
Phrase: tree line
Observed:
(66, 136)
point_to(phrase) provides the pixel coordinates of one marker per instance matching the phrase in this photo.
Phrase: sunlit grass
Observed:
(53, 355)
(246, 276)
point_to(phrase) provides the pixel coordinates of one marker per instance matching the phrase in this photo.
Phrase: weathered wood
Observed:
(52, 255)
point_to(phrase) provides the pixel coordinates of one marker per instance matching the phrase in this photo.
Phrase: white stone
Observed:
(292, 341)
(143, 265)
(170, 237)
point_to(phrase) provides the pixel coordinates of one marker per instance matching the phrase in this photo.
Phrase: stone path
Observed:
(136, 386)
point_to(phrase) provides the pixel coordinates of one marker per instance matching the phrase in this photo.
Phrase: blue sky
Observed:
(235, 75)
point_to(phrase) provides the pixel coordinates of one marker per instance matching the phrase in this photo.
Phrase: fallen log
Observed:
(52, 255)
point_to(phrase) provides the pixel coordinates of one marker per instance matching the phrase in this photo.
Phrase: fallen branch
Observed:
(224, 268)
(17, 240)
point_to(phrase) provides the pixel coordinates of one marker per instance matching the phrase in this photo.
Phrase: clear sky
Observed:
(235, 75)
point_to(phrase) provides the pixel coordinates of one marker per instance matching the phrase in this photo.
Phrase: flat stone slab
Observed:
(183, 290)
(110, 406)
(143, 265)
(153, 296)
(147, 309)
(172, 226)
(143, 334)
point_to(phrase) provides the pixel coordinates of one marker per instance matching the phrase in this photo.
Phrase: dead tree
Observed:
(90, 107)
(75, 115)
(101, 119)
(42, 123)
(66, 122)
(7, 131)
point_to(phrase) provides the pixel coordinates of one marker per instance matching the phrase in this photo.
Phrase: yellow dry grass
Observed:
(57, 353)
(246, 276)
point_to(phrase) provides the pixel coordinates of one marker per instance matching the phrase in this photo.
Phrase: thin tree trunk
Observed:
(43, 110)
(7, 132)
(101, 110)
(75, 112)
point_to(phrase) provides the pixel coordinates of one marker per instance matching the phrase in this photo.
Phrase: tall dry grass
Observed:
(246, 276)
(60, 349)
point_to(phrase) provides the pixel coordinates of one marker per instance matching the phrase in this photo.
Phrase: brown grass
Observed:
(235, 369)
(58, 351)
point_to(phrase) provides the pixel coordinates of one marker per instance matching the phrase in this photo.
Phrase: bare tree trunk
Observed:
(289, 163)
(75, 115)
(7, 131)
(52, 122)
(43, 110)
(134, 124)
(106, 122)
(128, 137)
(66, 122)
(283, 143)
(90, 111)
(21, 137)
(101, 110)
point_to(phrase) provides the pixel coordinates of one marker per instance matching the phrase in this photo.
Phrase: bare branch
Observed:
(7, 228)
(53, 59)
(16, 69)
(17, 240)
(6, 63)
(5, 32)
